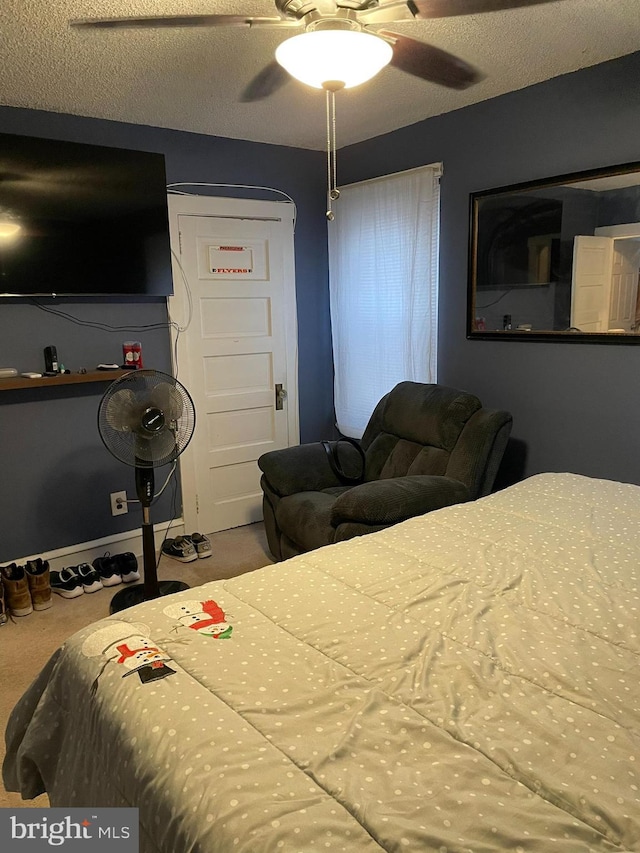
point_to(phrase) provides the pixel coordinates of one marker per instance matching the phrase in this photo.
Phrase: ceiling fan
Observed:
(409, 55)
(340, 48)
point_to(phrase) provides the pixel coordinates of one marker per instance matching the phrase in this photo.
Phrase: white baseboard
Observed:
(119, 543)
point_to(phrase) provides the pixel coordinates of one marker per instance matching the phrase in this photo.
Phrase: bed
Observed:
(467, 680)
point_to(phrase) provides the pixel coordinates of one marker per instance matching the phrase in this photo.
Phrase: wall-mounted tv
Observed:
(82, 220)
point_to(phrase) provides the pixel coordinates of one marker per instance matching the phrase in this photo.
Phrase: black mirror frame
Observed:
(548, 336)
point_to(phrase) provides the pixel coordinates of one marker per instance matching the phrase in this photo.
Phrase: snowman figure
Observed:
(205, 617)
(128, 645)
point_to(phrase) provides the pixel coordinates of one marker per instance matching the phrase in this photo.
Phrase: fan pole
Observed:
(151, 586)
(144, 488)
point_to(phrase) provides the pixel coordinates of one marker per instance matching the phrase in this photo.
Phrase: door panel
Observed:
(591, 284)
(624, 284)
(227, 318)
(249, 372)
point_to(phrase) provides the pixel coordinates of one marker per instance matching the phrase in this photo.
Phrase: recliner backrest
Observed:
(414, 429)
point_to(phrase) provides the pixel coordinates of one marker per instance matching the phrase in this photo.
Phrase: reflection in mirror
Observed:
(559, 257)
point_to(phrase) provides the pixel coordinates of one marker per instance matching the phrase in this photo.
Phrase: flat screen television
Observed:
(82, 220)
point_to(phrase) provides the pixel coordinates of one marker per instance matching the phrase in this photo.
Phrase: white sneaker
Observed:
(202, 545)
(127, 566)
(66, 583)
(89, 578)
(181, 548)
(107, 570)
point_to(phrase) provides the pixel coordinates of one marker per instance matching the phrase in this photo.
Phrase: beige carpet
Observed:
(27, 643)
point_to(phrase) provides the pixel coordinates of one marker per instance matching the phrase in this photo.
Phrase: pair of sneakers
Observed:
(114, 569)
(186, 549)
(74, 581)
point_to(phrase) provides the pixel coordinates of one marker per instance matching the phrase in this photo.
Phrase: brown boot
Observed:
(39, 585)
(16, 587)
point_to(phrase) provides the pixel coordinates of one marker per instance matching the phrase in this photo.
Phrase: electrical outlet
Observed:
(119, 504)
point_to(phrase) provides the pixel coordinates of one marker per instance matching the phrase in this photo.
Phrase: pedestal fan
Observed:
(146, 418)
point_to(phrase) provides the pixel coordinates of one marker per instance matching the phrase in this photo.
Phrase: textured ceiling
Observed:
(191, 79)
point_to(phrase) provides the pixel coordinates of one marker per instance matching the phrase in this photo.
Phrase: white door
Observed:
(626, 268)
(234, 286)
(624, 284)
(591, 283)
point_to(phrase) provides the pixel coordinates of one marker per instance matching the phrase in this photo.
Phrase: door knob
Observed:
(281, 395)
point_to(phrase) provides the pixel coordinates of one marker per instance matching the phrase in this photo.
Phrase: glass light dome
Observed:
(8, 230)
(345, 57)
(10, 225)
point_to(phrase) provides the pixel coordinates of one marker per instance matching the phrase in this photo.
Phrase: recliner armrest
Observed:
(396, 499)
(302, 468)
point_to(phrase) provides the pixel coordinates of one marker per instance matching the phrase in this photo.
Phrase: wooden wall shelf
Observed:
(16, 383)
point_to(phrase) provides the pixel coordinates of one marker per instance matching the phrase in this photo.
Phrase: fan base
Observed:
(133, 595)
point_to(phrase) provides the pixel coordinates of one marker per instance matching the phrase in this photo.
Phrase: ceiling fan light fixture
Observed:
(346, 57)
(9, 230)
(10, 226)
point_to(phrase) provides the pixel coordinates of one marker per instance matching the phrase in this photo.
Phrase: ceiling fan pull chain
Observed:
(330, 214)
(332, 159)
(335, 192)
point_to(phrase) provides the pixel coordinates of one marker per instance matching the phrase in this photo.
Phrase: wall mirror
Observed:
(557, 259)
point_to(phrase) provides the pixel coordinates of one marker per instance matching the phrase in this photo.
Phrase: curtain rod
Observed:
(437, 167)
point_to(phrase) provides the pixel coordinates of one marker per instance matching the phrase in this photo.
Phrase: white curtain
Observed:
(383, 279)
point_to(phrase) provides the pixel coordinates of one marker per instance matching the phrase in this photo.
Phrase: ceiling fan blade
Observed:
(387, 13)
(450, 8)
(181, 21)
(431, 63)
(268, 81)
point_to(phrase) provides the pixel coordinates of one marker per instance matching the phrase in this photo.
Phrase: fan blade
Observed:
(122, 412)
(407, 10)
(450, 8)
(388, 13)
(158, 448)
(182, 21)
(431, 63)
(268, 81)
(168, 399)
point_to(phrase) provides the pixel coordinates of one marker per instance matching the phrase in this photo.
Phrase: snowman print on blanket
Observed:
(205, 617)
(128, 645)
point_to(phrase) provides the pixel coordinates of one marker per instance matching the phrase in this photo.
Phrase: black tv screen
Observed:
(82, 220)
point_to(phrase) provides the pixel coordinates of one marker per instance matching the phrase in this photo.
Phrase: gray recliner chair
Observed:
(425, 447)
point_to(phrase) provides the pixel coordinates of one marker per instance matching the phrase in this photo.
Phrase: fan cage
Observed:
(132, 445)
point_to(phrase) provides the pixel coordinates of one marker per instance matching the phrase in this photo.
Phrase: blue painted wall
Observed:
(57, 475)
(576, 407)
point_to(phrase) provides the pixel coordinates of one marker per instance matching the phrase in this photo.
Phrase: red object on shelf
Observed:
(132, 354)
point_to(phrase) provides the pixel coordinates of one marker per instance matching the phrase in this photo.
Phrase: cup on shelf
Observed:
(132, 354)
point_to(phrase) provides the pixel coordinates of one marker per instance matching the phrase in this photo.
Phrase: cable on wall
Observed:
(172, 189)
(495, 301)
(93, 324)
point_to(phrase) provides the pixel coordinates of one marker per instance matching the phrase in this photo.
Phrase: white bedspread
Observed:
(465, 681)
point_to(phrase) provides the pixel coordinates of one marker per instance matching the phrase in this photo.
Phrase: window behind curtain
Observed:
(383, 280)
